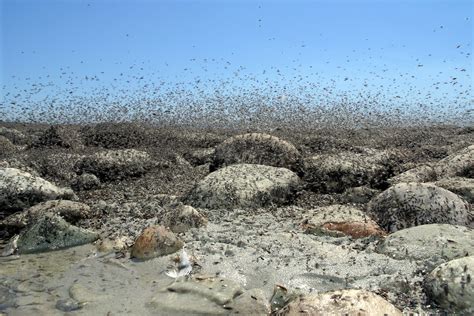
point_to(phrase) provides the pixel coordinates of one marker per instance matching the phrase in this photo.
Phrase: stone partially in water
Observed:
(155, 241)
(51, 232)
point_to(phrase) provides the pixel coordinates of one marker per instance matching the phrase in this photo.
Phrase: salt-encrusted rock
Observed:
(202, 296)
(20, 190)
(256, 148)
(85, 182)
(69, 210)
(116, 164)
(430, 244)
(420, 174)
(244, 185)
(410, 204)
(59, 136)
(459, 164)
(51, 232)
(464, 187)
(342, 302)
(341, 220)
(180, 218)
(201, 156)
(155, 241)
(329, 173)
(451, 285)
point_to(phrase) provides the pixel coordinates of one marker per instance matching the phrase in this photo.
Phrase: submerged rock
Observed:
(116, 164)
(155, 241)
(256, 148)
(244, 185)
(19, 190)
(451, 285)
(342, 302)
(410, 204)
(431, 244)
(51, 232)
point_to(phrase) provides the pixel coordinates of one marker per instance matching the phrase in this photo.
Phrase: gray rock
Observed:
(59, 136)
(464, 187)
(410, 204)
(85, 182)
(69, 210)
(201, 156)
(116, 164)
(68, 305)
(13, 135)
(6, 147)
(430, 244)
(114, 135)
(155, 241)
(423, 173)
(51, 232)
(256, 148)
(244, 185)
(207, 296)
(180, 218)
(328, 173)
(19, 190)
(341, 220)
(7, 297)
(341, 302)
(458, 164)
(451, 285)
(359, 195)
(251, 302)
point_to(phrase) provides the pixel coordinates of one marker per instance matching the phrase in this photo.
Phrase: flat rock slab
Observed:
(451, 285)
(208, 296)
(20, 189)
(244, 185)
(343, 302)
(433, 244)
(51, 232)
(410, 204)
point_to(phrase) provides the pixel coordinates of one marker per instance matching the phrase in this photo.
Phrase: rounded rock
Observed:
(155, 241)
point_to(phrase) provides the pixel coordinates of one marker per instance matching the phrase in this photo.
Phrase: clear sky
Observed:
(384, 46)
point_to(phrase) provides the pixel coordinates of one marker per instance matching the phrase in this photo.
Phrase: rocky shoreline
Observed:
(92, 218)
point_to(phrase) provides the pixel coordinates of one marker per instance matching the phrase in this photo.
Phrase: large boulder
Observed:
(410, 204)
(59, 136)
(69, 210)
(244, 185)
(155, 241)
(114, 135)
(6, 147)
(20, 190)
(459, 164)
(451, 287)
(341, 302)
(116, 164)
(422, 173)
(341, 220)
(256, 148)
(51, 232)
(464, 187)
(334, 173)
(431, 244)
(13, 135)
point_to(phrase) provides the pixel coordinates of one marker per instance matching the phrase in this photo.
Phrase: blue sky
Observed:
(387, 45)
